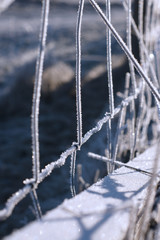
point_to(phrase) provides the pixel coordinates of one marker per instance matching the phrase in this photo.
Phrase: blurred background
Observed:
(19, 38)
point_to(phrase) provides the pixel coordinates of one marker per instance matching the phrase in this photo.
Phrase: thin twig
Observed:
(119, 164)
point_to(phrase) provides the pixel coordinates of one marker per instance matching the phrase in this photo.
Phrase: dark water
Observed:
(19, 31)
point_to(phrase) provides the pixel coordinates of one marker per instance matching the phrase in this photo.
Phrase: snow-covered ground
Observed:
(106, 210)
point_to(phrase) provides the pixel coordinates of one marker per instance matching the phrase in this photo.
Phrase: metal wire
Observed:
(40, 175)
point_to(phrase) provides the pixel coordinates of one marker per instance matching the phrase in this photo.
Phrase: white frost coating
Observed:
(119, 164)
(4, 4)
(78, 73)
(37, 91)
(127, 51)
(72, 173)
(100, 212)
(61, 161)
(145, 51)
(14, 200)
(109, 59)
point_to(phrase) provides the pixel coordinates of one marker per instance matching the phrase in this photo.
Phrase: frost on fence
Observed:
(4, 4)
(133, 124)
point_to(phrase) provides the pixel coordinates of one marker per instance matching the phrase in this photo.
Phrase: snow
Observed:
(103, 211)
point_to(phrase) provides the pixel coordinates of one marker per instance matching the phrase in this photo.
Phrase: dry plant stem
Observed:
(142, 100)
(147, 24)
(109, 59)
(118, 132)
(79, 175)
(37, 91)
(149, 113)
(139, 119)
(144, 48)
(126, 50)
(132, 223)
(157, 13)
(132, 128)
(140, 21)
(78, 73)
(150, 196)
(149, 16)
(85, 185)
(126, 93)
(146, 122)
(97, 175)
(119, 164)
(153, 22)
(157, 58)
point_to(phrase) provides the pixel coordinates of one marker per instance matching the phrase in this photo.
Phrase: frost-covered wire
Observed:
(13, 201)
(109, 59)
(119, 164)
(21, 194)
(126, 50)
(39, 176)
(78, 96)
(109, 144)
(78, 73)
(72, 173)
(37, 91)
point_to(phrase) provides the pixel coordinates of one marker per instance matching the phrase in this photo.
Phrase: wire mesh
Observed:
(141, 85)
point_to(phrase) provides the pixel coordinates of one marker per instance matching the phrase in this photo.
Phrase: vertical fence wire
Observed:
(36, 104)
(110, 84)
(78, 73)
(78, 96)
(37, 91)
(109, 59)
(72, 173)
(108, 150)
